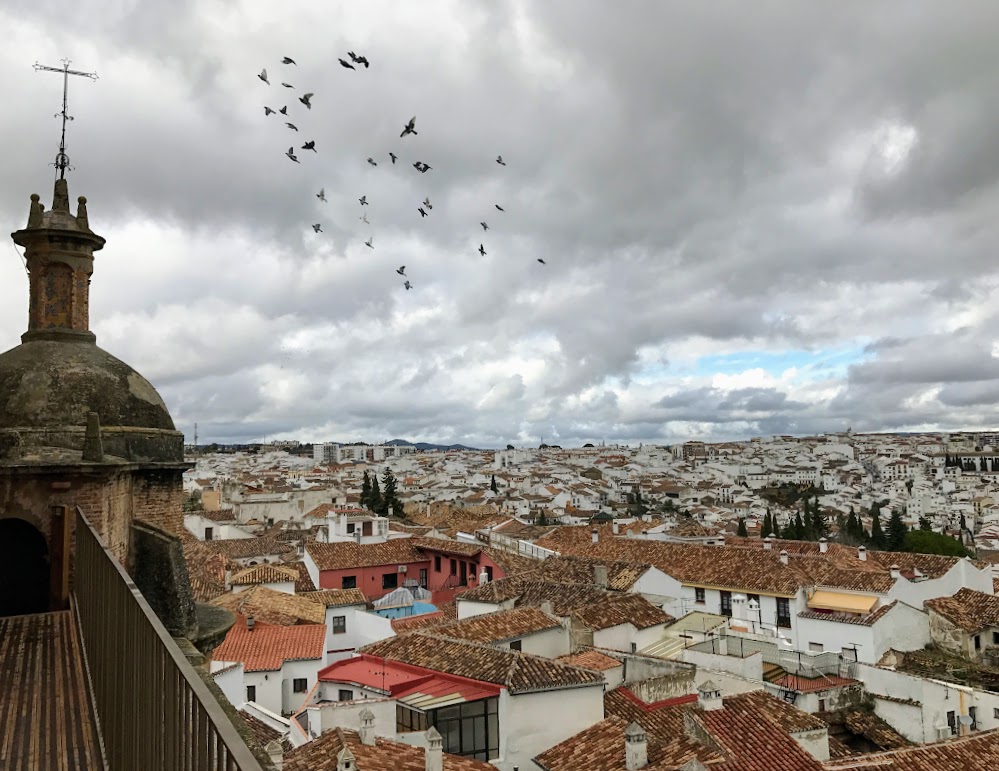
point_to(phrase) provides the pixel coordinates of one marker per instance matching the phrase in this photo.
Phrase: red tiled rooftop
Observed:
(267, 647)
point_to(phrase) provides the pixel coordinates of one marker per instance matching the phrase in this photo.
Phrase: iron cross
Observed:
(62, 160)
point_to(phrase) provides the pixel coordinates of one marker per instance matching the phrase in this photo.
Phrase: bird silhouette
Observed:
(372, 161)
(408, 286)
(364, 200)
(426, 202)
(410, 128)
(393, 156)
(401, 270)
(284, 110)
(500, 161)
(542, 261)
(369, 243)
(268, 110)
(364, 218)
(291, 154)
(363, 60)
(482, 250)
(292, 126)
(263, 77)
(289, 60)
(484, 226)
(422, 212)
(287, 85)
(317, 228)
(348, 65)
(422, 167)
(500, 207)
(305, 100)
(353, 57)
(310, 145)
(321, 195)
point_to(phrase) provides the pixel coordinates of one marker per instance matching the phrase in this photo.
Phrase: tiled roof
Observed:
(812, 684)
(264, 574)
(304, 582)
(348, 554)
(267, 647)
(567, 569)
(967, 609)
(262, 732)
(850, 618)
(205, 568)
(332, 598)
(501, 625)
(591, 659)
(568, 537)
(445, 613)
(519, 672)
(614, 610)
(874, 729)
(320, 754)
(245, 548)
(273, 607)
(978, 751)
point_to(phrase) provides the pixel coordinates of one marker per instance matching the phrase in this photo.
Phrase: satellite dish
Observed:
(966, 719)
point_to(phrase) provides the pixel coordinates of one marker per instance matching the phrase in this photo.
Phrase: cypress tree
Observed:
(741, 530)
(878, 540)
(388, 492)
(895, 535)
(492, 485)
(768, 524)
(820, 527)
(375, 496)
(365, 489)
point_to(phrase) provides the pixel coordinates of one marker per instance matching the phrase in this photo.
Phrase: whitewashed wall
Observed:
(530, 723)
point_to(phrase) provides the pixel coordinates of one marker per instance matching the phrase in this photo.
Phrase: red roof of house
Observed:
(405, 680)
(267, 647)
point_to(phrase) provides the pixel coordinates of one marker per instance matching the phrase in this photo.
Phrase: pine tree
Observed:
(365, 489)
(492, 485)
(375, 496)
(741, 530)
(389, 498)
(878, 540)
(895, 534)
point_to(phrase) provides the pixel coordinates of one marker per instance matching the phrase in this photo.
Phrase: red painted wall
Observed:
(369, 579)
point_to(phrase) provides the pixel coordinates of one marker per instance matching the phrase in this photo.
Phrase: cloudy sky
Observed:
(757, 218)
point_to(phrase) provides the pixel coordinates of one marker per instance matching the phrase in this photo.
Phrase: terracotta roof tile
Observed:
(500, 626)
(246, 548)
(591, 659)
(332, 598)
(568, 569)
(264, 574)
(273, 607)
(347, 554)
(967, 609)
(205, 568)
(978, 751)
(850, 618)
(304, 581)
(267, 647)
(320, 754)
(614, 610)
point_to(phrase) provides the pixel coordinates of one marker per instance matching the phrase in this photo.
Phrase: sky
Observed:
(778, 217)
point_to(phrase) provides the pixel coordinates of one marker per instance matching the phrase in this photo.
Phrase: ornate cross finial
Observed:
(62, 160)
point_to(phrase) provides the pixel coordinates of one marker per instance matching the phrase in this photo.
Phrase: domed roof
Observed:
(46, 384)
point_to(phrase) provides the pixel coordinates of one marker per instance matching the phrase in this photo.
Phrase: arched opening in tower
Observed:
(24, 569)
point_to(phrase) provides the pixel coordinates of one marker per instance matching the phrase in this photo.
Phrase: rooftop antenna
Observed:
(62, 160)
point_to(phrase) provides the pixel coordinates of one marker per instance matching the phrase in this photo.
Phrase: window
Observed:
(390, 580)
(209, 531)
(973, 714)
(350, 528)
(995, 638)
(348, 582)
(251, 693)
(489, 574)
(423, 577)
(978, 642)
(726, 603)
(345, 695)
(299, 685)
(470, 729)
(816, 647)
(454, 567)
(995, 712)
(339, 624)
(437, 563)
(784, 612)
(408, 720)
(822, 705)
(516, 645)
(952, 722)
(699, 595)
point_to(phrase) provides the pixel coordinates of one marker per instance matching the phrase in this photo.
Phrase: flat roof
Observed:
(840, 601)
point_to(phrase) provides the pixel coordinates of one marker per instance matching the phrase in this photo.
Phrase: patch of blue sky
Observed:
(819, 364)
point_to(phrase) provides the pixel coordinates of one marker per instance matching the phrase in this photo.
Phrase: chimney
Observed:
(823, 545)
(250, 623)
(434, 756)
(228, 579)
(739, 607)
(595, 535)
(768, 543)
(636, 748)
(483, 577)
(367, 731)
(616, 528)
(600, 578)
(345, 760)
(862, 554)
(783, 556)
(546, 607)
(275, 753)
(709, 696)
(895, 572)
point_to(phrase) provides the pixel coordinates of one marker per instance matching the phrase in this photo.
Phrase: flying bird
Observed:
(310, 145)
(500, 161)
(542, 261)
(292, 126)
(401, 270)
(287, 85)
(364, 200)
(263, 77)
(408, 286)
(363, 60)
(422, 212)
(426, 202)
(289, 60)
(500, 207)
(369, 243)
(484, 226)
(353, 57)
(364, 218)
(321, 195)
(482, 250)
(410, 128)
(393, 156)
(305, 100)
(372, 161)
(317, 228)
(348, 65)
(284, 110)
(422, 167)
(291, 154)
(268, 110)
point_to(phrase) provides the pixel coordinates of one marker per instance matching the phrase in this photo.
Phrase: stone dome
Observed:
(51, 384)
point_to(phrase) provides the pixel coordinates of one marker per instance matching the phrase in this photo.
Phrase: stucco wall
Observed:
(530, 723)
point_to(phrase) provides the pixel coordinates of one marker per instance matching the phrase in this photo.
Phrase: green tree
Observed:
(365, 489)
(878, 540)
(375, 496)
(928, 542)
(741, 530)
(388, 493)
(820, 525)
(925, 524)
(896, 532)
(492, 485)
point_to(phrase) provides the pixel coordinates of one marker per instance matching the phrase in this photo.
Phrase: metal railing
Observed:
(794, 662)
(155, 712)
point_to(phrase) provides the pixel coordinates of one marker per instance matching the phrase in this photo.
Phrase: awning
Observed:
(844, 603)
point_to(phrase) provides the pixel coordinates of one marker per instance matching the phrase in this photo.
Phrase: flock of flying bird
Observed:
(409, 128)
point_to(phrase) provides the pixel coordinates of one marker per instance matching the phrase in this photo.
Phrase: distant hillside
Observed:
(427, 446)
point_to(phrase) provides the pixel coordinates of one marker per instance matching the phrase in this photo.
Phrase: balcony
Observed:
(103, 685)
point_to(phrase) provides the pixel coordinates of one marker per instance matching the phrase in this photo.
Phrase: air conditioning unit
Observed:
(403, 568)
